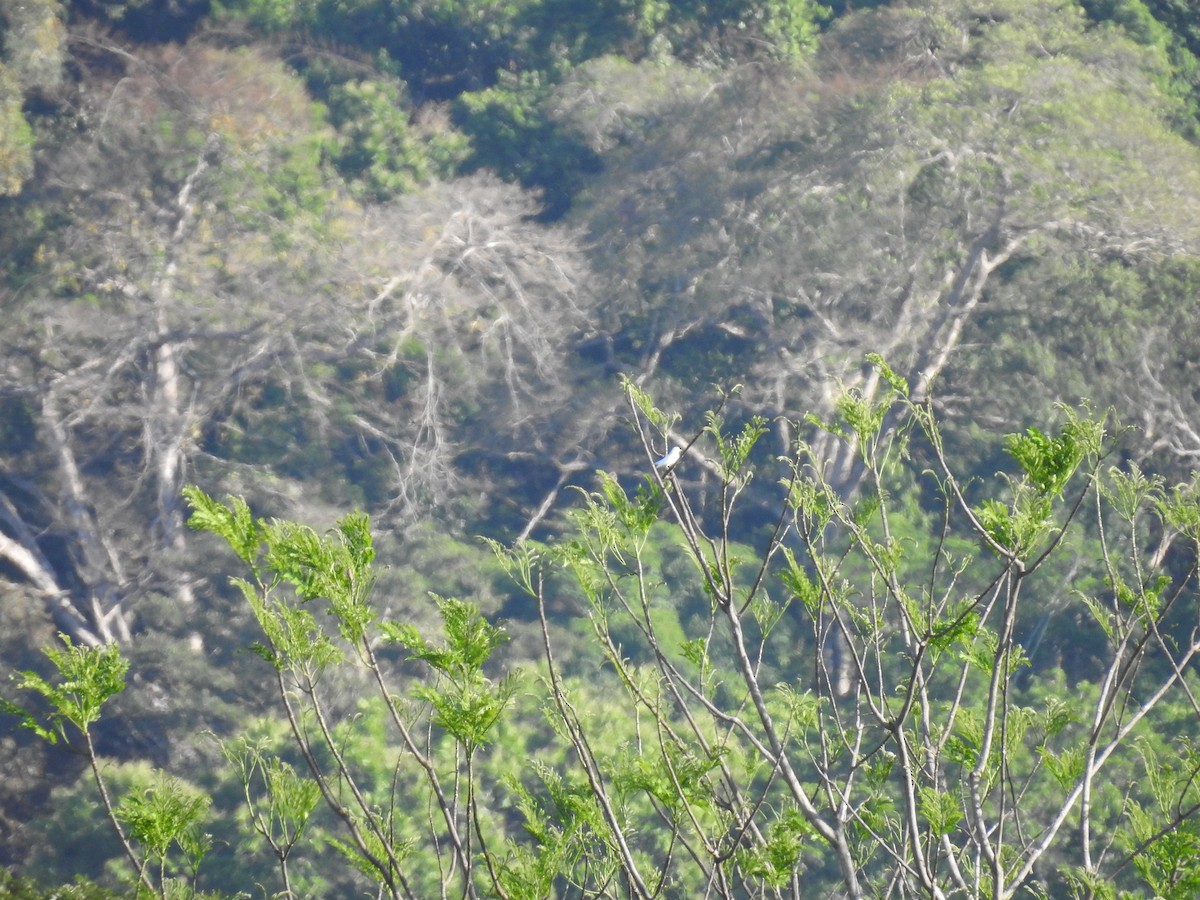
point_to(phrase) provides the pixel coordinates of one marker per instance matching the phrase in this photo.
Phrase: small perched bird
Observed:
(670, 459)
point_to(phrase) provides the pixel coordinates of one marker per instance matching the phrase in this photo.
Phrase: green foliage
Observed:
(1165, 856)
(471, 640)
(734, 451)
(467, 704)
(380, 152)
(279, 800)
(798, 582)
(941, 811)
(564, 820)
(775, 861)
(329, 293)
(88, 678)
(336, 571)
(1161, 24)
(233, 522)
(512, 134)
(168, 814)
(13, 887)
(709, 734)
(16, 137)
(32, 53)
(498, 63)
(790, 25)
(1179, 509)
(644, 404)
(164, 816)
(1048, 464)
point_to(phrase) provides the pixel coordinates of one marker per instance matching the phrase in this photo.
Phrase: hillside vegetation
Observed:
(915, 285)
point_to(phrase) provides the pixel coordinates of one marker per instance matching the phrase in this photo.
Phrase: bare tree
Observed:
(467, 302)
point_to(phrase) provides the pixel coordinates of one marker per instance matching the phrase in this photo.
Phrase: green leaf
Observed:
(998, 524)
(863, 417)
(336, 567)
(897, 384)
(775, 860)
(469, 708)
(696, 652)
(89, 677)
(1049, 462)
(1065, 767)
(465, 703)
(1181, 510)
(233, 522)
(290, 798)
(802, 587)
(1057, 715)
(734, 452)
(766, 612)
(959, 624)
(940, 809)
(1129, 492)
(163, 814)
(28, 720)
(645, 405)
(518, 562)
(804, 708)
(470, 638)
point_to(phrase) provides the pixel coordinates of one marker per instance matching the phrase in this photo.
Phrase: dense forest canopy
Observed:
(397, 256)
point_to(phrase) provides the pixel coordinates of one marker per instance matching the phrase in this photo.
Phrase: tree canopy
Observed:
(415, 258)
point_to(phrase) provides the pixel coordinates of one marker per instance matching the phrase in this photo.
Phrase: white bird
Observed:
(670, 459)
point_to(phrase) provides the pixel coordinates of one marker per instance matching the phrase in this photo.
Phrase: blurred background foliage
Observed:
(393, 254)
